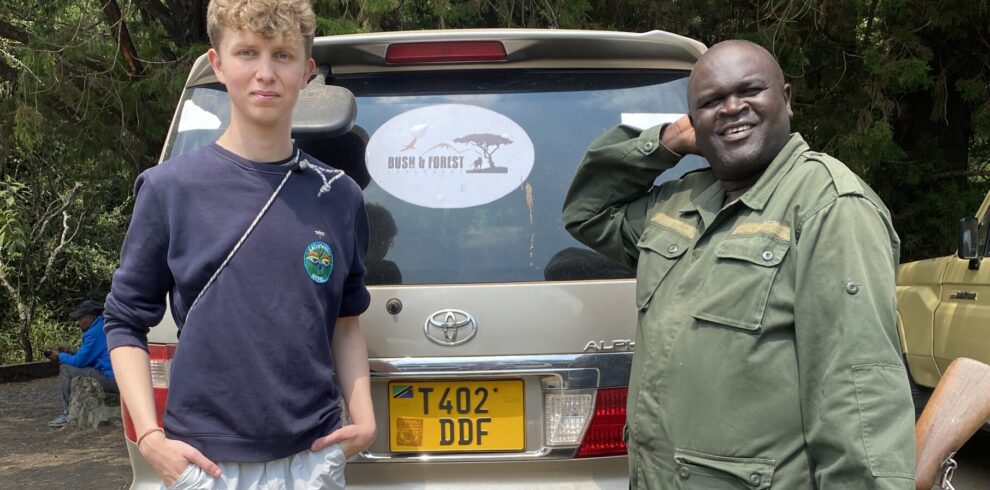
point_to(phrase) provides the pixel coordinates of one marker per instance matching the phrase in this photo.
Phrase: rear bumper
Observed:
(593, 473)
(572, 474)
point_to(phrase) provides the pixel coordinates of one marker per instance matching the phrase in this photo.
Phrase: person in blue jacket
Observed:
(92, 359)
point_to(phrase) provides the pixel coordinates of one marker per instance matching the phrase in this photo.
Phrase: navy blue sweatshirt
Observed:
(252, 378)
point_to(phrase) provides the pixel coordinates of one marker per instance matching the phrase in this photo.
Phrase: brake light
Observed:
(446, 52)
(604, 434)
(160, 357)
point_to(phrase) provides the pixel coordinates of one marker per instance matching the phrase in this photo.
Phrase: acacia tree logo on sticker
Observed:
(450, 156)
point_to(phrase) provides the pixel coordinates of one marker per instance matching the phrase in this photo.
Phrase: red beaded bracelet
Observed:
(148, 433)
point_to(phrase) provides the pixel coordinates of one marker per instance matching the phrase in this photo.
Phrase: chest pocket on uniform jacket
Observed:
(659, 250)
(737, 289)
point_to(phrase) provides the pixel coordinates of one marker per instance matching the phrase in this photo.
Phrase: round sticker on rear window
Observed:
(450, 156)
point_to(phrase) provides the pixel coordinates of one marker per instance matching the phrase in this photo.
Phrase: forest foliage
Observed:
(897, 89)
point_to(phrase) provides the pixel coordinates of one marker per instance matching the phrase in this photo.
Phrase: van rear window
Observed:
(465, 173)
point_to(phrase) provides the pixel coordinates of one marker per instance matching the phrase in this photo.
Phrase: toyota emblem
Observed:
(450, 327)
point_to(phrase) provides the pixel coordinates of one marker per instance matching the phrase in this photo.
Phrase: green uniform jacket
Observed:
(767, 352)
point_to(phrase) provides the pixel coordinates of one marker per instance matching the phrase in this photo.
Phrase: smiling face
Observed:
(740, 108)
(263, 76)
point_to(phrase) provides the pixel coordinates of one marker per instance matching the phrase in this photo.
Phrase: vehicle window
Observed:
(510, 235)
(204, 112)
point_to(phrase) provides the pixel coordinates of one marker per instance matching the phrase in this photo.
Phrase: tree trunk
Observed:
(127, 49)
(26, 338)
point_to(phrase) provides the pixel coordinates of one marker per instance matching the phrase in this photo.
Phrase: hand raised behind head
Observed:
(679, 137)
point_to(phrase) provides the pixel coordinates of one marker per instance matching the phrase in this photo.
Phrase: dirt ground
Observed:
(32, 455)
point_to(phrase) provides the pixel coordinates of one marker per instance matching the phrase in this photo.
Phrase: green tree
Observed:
(59, 238)
(87, 90)
(35, 227)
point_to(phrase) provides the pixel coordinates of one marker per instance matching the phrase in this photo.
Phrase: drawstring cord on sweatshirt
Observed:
(327, 175)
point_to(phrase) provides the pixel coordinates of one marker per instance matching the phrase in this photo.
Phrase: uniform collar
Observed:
(710, 201)
(707, 204)
(757, 196)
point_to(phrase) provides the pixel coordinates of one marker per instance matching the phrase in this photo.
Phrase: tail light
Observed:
(565, 416)
(604, 434)
(595, 420)
(446, 52)
(160, 357)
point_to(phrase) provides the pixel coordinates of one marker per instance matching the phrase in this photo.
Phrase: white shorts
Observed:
(302, 471)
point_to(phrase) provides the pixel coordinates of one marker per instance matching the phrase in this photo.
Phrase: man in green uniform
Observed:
(767, 352)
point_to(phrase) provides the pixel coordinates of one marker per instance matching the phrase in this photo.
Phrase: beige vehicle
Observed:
(943, 306)
(500, 347)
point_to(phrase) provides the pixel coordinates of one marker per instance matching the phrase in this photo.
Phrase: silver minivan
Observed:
(500, 347)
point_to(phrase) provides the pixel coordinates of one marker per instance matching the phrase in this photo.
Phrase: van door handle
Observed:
(967, 295)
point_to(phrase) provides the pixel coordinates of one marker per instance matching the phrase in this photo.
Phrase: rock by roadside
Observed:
(91, 407)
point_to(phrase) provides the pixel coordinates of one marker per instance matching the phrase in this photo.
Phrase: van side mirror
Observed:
(969, 242)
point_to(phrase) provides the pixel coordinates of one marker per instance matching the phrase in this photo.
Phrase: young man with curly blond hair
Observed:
(260, 248)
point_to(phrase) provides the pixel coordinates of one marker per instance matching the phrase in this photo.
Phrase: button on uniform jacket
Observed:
(767, 352)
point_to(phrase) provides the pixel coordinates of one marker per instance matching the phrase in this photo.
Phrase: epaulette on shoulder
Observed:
(845, 181)
(687, 178)
(694, 175)
(696, 170)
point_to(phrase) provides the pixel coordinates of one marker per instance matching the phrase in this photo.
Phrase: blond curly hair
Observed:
(290, 19)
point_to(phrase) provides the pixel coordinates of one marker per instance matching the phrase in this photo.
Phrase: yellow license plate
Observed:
(442, 416)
